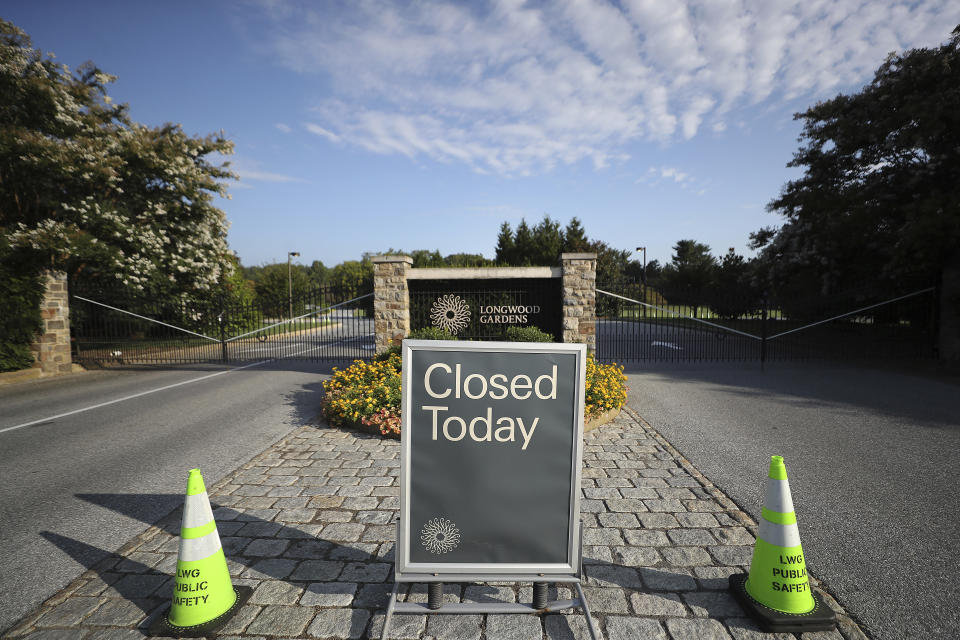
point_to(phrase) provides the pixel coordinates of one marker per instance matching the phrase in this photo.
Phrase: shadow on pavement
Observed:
(305, 402)
(133, 581)
(907, 394)
(261, 549)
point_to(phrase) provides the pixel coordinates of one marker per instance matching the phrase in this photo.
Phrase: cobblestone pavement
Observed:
(309, 524)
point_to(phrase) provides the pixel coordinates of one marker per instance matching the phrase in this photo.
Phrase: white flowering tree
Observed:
(85, 189)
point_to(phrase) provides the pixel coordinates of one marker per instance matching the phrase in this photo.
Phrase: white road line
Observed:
(131, 397)
(169, 386)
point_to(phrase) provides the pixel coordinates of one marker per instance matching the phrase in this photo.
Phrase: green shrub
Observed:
(431, 333)
(14, 357)
(427, 333)
(527, 334)
(389, 352)
(21, 293)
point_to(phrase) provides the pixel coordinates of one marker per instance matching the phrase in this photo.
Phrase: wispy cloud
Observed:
(283, 127)
(515, 88)
(323, 133)
(672, 176)
(657, 175)
(250, 170)
(265, 176)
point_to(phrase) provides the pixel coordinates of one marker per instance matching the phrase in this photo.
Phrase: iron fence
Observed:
(119, 326)
(637, 323)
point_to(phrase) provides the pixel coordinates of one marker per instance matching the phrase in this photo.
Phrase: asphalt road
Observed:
(872, 462)
(97, 476)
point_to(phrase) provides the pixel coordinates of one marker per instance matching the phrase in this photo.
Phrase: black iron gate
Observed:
(111, 327)
(639, 323)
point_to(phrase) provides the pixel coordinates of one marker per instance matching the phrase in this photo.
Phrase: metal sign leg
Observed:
(586, 611)
(393, 602)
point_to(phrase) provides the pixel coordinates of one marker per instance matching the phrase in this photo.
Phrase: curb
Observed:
(35, 373)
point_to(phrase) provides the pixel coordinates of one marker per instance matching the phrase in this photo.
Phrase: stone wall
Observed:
(580, 298)
(52, 349)
(391, 295)
(391, 300)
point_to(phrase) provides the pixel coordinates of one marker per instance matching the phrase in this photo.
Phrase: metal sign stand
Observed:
(539, 606)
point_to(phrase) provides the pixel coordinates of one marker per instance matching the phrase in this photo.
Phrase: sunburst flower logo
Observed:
(450, 313)
(440, 535)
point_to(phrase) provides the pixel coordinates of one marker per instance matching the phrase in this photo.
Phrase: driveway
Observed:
(871, 457)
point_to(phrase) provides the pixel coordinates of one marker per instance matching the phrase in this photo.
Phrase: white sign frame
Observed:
(407, 571)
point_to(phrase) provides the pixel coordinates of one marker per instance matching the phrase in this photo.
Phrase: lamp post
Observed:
(643, 278)
(290, 281)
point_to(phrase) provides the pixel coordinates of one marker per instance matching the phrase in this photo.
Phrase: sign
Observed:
(484, 308)
(491, 449)
(452, 313)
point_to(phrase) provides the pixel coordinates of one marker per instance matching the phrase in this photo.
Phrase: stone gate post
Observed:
(52, 347)
(580, 298)
(391, 300)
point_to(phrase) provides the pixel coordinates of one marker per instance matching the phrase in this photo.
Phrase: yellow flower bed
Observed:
(365, 392)
(368, 393)
(606, 388)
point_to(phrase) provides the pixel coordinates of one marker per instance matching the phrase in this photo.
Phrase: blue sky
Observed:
(362, 126)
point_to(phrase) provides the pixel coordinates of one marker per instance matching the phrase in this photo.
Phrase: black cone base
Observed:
(822, 618)
(162, 627)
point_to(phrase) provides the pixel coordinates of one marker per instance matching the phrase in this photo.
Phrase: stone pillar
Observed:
(52, 348)
(580, 298)
(391, 300)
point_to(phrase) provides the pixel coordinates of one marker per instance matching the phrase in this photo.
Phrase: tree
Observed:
(506, 247)
(611, 263)
(654, 273)
(85, 189)
(879, 202)
(524, 247)
(234, 286)
(575, 238)
(689, 274)
(547, 243)
(355, 277)
(537, 246)
(317, 273)
(421, 257)
(21, 293)
(466, 260)
(273, 289)
(732, 292)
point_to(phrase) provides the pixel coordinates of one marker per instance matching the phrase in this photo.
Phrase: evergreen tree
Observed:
(506, 247)
(547, 242)
(524, 246)
(689, 274)
(575, 238)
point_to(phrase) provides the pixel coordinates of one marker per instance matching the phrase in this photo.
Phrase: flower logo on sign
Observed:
(450, 313)
(440, 535)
